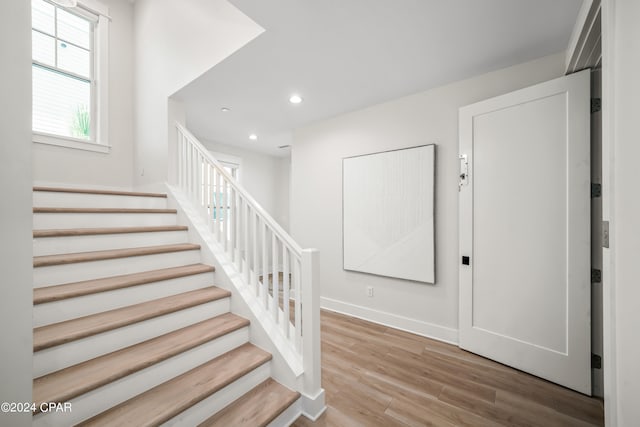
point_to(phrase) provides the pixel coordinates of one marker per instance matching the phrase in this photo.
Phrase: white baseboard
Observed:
(418, 327)
(313, 406)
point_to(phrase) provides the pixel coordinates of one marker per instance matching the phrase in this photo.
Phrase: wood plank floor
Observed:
(378, 376)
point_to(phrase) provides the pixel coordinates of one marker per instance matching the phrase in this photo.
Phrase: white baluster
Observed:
(179, 161)
(193, 169)
(216, 203)
(188, 171)
(196, 176)
(225, 218)
(297, 312)
(255, 261)
(238, 228)
(286, 323)
(203, 183)
(265, 274)
(187, 165)
(275, 280)
(208, 208)
(182, 161)
(199, 180)
(232, 222)
(204, 191)
(247, 254)
(207, 192)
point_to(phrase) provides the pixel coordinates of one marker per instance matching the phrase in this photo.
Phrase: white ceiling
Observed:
(343, 55)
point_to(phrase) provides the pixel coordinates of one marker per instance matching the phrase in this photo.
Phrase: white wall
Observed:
(626, 208)
(283, 191)
(265, 177)
(175, 42)
(16, 285)
(52, 164)
(316, 197)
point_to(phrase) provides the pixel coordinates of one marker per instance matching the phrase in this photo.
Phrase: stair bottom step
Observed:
(257, 408)
(110, 395)
(161, 403)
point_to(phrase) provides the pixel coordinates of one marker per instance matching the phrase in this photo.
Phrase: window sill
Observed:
(73, 143)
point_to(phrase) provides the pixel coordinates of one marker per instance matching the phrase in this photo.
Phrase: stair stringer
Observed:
(286, 365)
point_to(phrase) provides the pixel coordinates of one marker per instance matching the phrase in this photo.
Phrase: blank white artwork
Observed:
(388, 208)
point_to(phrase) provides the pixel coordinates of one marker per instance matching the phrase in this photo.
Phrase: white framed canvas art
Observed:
(388, 213)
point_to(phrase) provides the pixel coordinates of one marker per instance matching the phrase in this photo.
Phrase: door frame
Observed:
(581, 31)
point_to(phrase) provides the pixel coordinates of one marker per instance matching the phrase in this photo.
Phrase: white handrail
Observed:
(254, 244)
(271, 223)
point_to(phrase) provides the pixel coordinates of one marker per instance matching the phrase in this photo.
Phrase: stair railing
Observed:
(260, 250)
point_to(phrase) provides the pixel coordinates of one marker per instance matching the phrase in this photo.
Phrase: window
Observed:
(69, 60)
(231, 168)
(217, 191)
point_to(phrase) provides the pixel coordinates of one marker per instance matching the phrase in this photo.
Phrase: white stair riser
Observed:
(59, 311)
(75, 272)
(111, 394)
(216, 402)
(65, 355)
(72, 244)
(44, 221)
(81, 200)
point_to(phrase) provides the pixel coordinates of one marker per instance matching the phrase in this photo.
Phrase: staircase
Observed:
(128, 326)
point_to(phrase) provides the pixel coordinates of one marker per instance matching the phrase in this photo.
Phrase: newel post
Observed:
(310, 300)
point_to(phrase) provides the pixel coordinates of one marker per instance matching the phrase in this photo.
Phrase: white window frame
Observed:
(233, 162)
(99, 89)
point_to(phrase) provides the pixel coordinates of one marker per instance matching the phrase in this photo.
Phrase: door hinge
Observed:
(596, 275)
(596, 361)
(596, 190)
(596, 105)
(605, 234)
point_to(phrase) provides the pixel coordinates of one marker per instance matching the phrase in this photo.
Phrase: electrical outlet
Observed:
(370, 291)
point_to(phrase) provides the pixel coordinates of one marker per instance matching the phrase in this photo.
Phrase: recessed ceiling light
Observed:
(225, 109)
(295, 99)
(253, 137)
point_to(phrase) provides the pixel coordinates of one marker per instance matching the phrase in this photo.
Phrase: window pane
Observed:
(74, 29)
(42, 16)
(61, 104)
(74, 59)
(43, 48)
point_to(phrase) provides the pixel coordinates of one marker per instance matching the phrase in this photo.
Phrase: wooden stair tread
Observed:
(44, 209)
(99, 231)
(73, 381)
(81, 327)
(167, 400)
(87, 287)
(257, 408)
(102, 192)
(49, 260)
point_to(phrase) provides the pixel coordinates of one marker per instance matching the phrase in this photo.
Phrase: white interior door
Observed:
(525, 227)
